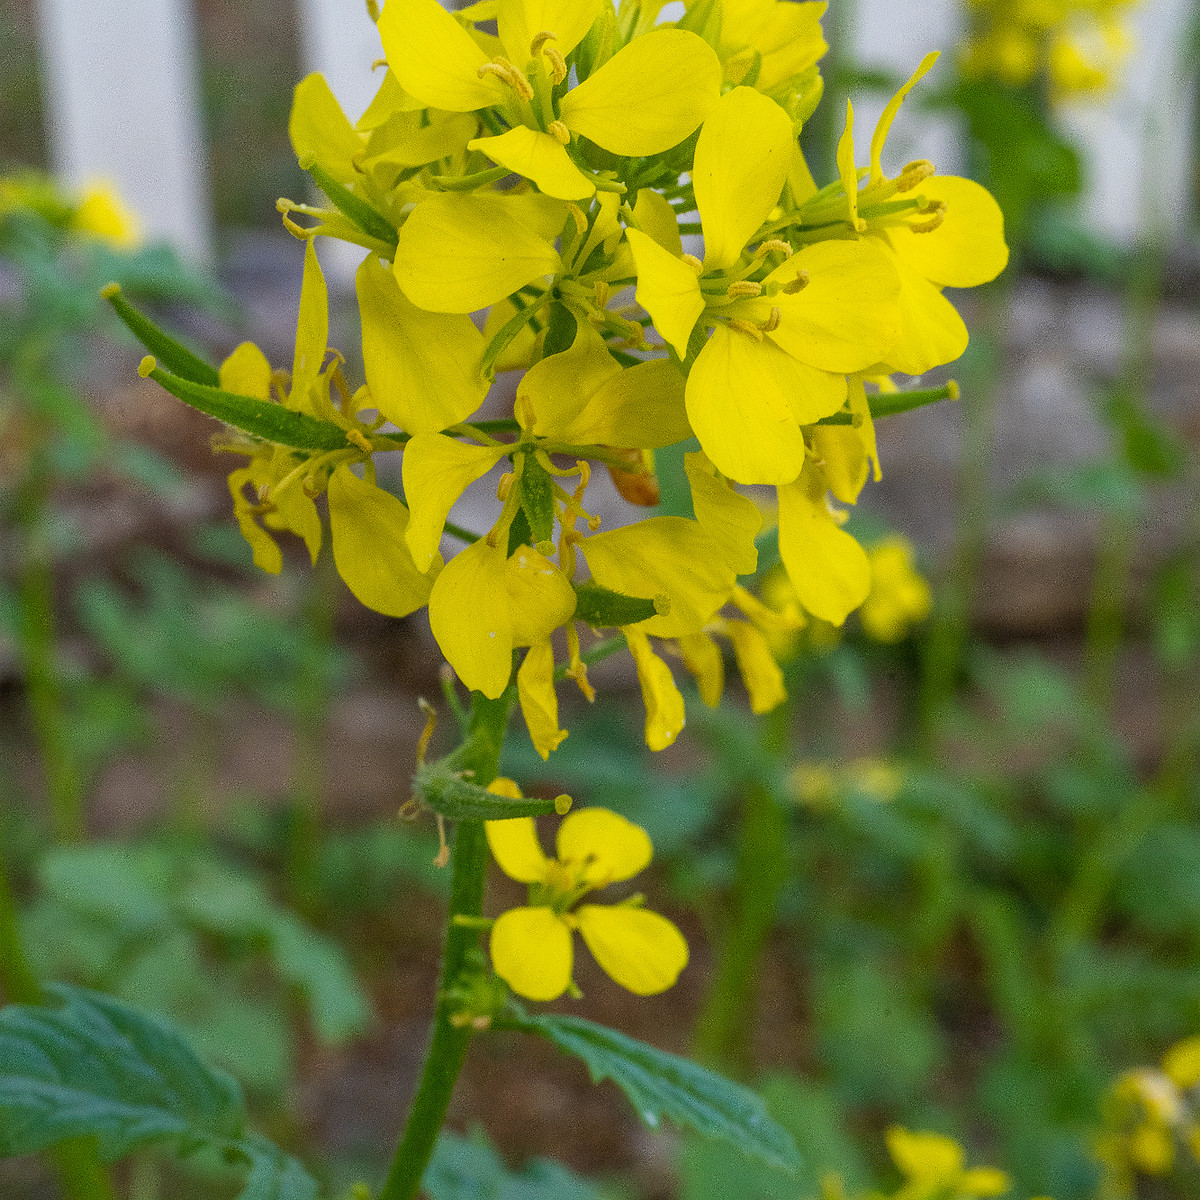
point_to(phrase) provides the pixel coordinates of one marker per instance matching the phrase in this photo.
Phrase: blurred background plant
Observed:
(951, 884)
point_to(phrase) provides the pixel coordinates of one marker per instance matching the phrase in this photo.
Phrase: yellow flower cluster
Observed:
(1076, 46)
(1152, 1118)
(617, 208)
(97, 212)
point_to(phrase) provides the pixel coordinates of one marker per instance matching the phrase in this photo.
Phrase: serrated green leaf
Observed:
(469, 1169)
(660, 1085)
(98, 1068)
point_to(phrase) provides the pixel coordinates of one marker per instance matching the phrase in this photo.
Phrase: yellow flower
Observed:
(531, 946)
(780, 346)
(646, 98)
(102, 213)
(935, 1167)
(899, 596)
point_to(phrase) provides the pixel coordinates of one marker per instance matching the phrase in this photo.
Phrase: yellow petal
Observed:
(291, 509)
(985, 1181)
(800, 180)
(827, 567)
(403, 141)
(848, 171)
(516, 849)
(422, 368)
(742, 157)
(434, 58)
(668, 290)
(389, 100)
(611, 846)
(312, 329)
(929, 1157)
(540, 597)
(459, 252)
(649, 96)
(657, 218)
(318, 127)
(760, 671)
(730, 519)
(843, 460)
(539, 157)
(967, 248)
(702, 657)
(531, 951)
(470, 618)
(246, 372)
(640, 407)
(664, 705)
(930, 332)
(520, 21)
(367, 527)
(889, 114)
(641, 950)
(267, 555)
(437, 470)
(539, 701)
(860, 410)
(739, 402)
(846, 318)
(663, 556)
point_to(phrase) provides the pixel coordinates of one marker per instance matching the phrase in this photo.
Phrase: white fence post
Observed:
(122, 106)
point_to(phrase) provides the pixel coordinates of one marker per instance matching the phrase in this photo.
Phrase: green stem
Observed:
(480, 754)
(725, 1020)
(36, 636)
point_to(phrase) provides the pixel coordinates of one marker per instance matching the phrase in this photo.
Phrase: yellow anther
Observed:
(562, 804)
(559, 132)
(528, 416)
(558, 64)
(693, 262)
(579, 217)
(310, 487)
(539, 40)
(504, 487)
(772, 322)
(952, 392)
(636, 339)
(746, 327)
(797, 285)
(744, 287)
(913, 174)
(600, 293)
(355, 436)
(775, 246)
(443, 854)
(373, 10)
(507, 73)
(935, 214)
(426, 733)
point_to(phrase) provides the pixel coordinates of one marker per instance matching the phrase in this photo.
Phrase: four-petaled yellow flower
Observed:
(935, 1166)
(531, 946)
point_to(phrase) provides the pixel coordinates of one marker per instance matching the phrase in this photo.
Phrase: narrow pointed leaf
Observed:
(260, 418)
(178, 358)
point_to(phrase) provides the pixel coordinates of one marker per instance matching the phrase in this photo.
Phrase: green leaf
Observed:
(660, 1085)
(599, 607)
(97, 1068)
(259, 418)
(469, 1169)
(178, 358)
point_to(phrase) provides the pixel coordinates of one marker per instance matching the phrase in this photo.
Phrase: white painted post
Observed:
(339, 39)
(122, 107)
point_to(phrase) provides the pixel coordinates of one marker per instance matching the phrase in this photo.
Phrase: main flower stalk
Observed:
(480, 754)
